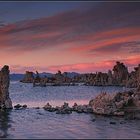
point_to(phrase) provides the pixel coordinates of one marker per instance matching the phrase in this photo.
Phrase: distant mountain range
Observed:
(16, 77)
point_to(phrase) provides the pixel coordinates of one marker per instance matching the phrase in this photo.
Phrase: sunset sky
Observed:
(69, 36)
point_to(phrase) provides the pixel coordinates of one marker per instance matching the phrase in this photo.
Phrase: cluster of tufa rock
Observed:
(65, 109)
(5, 101)
(119, 104)
(28, 77)
(134, 78)
(118, 76)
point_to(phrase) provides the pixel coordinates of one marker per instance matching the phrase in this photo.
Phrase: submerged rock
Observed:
(112, 122)
(18, 106)
(49, 108)
(5, 101)
(64, 109)
(82, 108)
(37, 107)
(24, 106)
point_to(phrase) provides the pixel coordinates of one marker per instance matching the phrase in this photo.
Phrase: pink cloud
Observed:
(103, 66)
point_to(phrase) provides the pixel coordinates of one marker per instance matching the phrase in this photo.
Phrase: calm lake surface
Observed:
(38, 123)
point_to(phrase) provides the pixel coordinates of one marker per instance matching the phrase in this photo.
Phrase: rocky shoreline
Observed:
(126, 103)
(122, 104)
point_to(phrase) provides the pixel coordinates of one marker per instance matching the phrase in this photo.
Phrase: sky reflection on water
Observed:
(38, 123)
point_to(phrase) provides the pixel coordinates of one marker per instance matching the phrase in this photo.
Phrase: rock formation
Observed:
(118, 77)
(37, 78)
(134, 78)
(100, 79)
(118, 104)
(110, 78)
(39, 81)
(103, 104)
(59, 78)
(28, 78)
(120, 74)
(5, 101)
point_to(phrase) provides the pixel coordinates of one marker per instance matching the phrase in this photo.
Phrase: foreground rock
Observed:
(49, 108)
(119, 104)
(104, 104)
(5, 101)
(18, 106)
(65, 109)
(82, 108)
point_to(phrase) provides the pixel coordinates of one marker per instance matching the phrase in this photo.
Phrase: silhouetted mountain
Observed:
(71, 74)
(15, 77)
(45, 74)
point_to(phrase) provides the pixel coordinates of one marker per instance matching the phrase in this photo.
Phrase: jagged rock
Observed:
(59, 78)
(28, 77)
(134, 78)
(64, 109)
(74, 107)
(119, 104)
(5, 101)
(38, 81)
(49, 108)
(118, 77)
(120, 74)
(82, 108)
(104, 104)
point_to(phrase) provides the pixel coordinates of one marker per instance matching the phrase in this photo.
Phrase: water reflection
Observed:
(54, 103)
(4, 123)
(38, 123)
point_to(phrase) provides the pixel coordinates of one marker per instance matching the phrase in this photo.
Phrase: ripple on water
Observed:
(38, 123)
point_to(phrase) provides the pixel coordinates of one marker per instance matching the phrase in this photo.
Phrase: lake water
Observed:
(38, 123)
